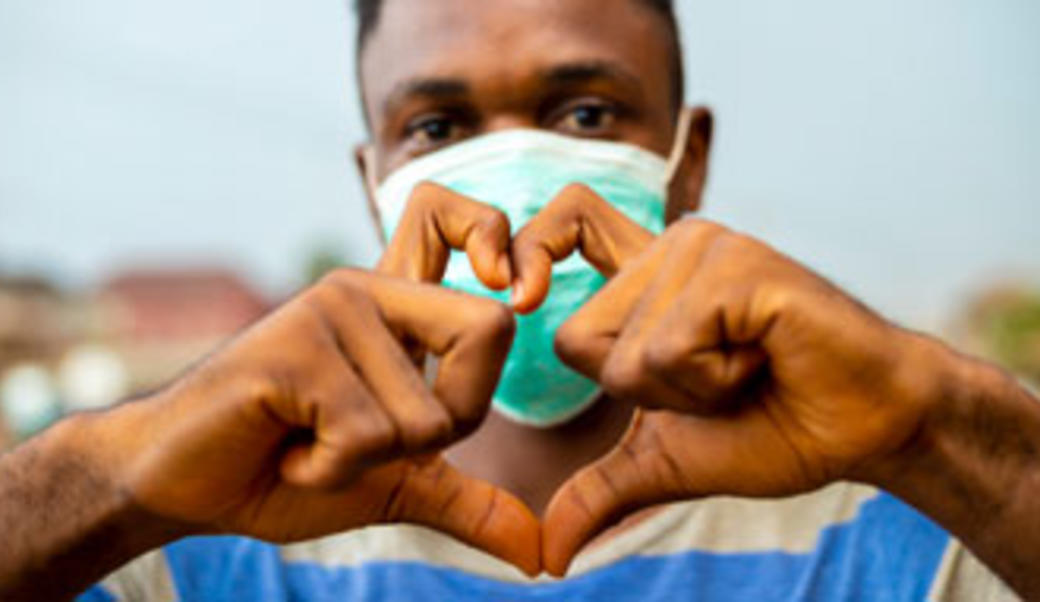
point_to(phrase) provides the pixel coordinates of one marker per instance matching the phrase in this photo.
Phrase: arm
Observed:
(312, 422)
(66, 522)
(974, 466)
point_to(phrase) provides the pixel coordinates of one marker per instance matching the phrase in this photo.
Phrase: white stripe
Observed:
(146, 579)
(727, 525)
(400, 543)
(962, 578)
(713, 525)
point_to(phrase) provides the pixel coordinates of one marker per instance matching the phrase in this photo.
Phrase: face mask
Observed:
(519, 172)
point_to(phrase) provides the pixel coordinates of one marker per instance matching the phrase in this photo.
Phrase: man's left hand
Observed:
(758, 378)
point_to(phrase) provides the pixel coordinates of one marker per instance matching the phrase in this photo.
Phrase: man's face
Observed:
(438, 72)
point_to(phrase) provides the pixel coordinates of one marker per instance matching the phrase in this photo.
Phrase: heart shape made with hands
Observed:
(726, 345)
(438, 221)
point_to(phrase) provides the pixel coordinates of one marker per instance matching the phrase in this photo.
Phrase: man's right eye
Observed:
(432, 130)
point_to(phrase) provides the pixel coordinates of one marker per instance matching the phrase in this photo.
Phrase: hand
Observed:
(767, 381)
(438, 220)
(316, 421)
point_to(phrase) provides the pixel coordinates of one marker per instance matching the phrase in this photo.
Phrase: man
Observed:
(729, 370)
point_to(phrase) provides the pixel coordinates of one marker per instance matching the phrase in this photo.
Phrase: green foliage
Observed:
(321, 260)
(1013, 331)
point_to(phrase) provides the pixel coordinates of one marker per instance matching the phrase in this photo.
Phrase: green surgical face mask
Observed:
(519, 172)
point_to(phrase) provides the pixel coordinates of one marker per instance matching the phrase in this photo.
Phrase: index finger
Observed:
(471, 336)
(576, 219)
(587, 339)
(438, 220)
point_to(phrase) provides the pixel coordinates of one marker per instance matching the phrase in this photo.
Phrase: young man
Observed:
(520, 132)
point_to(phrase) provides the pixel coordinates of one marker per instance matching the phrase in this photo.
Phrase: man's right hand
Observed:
(316, 420)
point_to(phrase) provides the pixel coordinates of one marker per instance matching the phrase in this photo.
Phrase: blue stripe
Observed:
(96, 594)
(889, 552)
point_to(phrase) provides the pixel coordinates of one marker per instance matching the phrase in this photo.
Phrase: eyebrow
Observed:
(564, 75)
(570, 74)
(433, 88)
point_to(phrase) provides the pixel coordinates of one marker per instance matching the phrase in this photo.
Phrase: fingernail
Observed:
(518, 293)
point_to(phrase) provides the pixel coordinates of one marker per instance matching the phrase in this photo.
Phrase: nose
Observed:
(509, 121)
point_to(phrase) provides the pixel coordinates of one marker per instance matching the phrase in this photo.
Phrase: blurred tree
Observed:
(1003, 324)
(321, 260)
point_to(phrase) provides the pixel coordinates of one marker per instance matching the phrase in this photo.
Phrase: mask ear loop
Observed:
(682, 137)
(368, 156)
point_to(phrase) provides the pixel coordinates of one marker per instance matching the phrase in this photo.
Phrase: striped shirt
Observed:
(843, 542)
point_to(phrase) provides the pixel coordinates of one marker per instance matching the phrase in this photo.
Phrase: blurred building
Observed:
(61, 352)
(37, 321)
(161, 321)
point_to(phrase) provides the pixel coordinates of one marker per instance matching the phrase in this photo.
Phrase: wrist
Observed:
(935, 385)
(973, 441)
(107, 446)
(973, 465)
(65, 511)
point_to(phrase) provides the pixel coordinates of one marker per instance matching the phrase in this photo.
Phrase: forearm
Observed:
(65, 520)
(974, 467)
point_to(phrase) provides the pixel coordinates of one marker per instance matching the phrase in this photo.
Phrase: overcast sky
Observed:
(892, 144)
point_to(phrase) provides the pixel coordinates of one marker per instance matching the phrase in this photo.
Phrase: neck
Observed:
(532, 462)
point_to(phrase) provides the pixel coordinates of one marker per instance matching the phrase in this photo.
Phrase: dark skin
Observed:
(752, 375)
(590, 70)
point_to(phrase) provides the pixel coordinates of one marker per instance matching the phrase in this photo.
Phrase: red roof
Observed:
(182, 304)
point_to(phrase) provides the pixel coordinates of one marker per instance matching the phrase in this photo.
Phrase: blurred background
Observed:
(169, 171)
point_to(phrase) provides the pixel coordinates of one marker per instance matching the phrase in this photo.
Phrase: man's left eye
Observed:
(588, 119)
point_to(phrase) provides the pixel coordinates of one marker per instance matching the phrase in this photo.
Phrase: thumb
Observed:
(576, 219)
(438, 496)
(601, 494)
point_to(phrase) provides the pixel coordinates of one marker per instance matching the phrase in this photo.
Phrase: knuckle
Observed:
(342, 286)
(700, 229)
(492, 320)
(375, 437)
(569, 341)
(665, 354)
(576, 197)
(264, 389)
(737, 247)
(493, 220)
(339, 279)
(579, 193)
(622, 376)
(426, 195)
(429, 430)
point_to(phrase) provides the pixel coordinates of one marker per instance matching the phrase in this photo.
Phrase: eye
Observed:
(433, 130)
(588, 119)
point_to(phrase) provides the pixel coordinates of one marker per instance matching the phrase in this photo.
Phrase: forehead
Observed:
(496, 44)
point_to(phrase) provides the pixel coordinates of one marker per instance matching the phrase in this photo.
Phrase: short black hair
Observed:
(368, 12)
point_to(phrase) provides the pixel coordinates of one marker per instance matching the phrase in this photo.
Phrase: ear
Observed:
(691, 175)
(365, 160)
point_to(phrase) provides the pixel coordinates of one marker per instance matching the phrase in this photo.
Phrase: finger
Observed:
(471, 335)
(438, 220)
(702, 349)
(576, 219)
(626, 479)
(626, 373)
(373, 349)
(439, 496)
(348, 431)
(584, 341)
